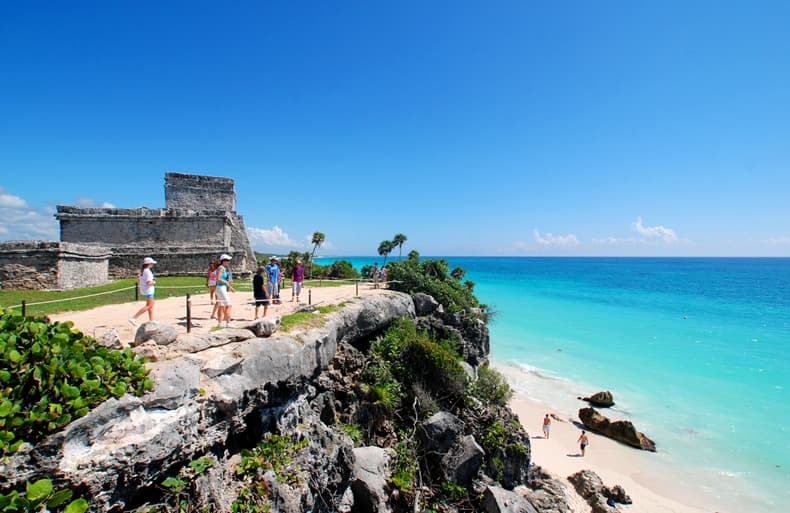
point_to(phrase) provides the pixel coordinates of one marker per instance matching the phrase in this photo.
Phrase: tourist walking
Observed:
(375, 275)
(211, 280)
(224, 287)
(273, 277)
(146, 283)
(259, 292)
(583, 442)
(297, 278)
(546, 426)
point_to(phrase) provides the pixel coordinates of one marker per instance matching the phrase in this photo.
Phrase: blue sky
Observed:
(475, 128)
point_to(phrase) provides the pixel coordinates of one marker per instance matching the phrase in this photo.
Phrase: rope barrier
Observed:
(73, 298)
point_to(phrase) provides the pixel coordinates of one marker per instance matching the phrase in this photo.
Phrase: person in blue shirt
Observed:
(273, 278)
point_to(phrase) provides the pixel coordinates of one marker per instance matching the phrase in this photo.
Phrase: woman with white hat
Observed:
(224, 284)
(146, 284)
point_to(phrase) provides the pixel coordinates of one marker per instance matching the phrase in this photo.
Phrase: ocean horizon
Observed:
(696, 351)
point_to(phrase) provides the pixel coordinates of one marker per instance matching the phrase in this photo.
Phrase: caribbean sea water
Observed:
(695, 350)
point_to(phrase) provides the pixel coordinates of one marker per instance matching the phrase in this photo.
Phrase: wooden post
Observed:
(24, 308)
(189, 314)
(356, 282)
(136, 292)
(310, 296)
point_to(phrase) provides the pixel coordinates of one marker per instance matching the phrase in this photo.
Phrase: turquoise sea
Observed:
(695, 350)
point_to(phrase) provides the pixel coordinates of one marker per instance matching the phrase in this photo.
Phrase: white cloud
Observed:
(779, 241)
(276, 238)
(661, 233)
(549, 239)
(11, 201)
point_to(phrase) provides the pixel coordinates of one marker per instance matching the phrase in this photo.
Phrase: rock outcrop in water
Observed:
(620, 430)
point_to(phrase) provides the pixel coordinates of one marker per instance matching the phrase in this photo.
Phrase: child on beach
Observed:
(146, 284)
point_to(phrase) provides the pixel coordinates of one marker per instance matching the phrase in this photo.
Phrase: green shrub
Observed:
(405, 466)
(454, 491)
(342, 269)
(431, 277)
(353, 431)
(491, 386)
(41, 496)
(51, 374)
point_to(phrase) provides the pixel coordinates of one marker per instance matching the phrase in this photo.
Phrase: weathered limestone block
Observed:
(424, 304)
(162, 334)
(439, 432)
(499, 500)
(461, 463)
(371, 468)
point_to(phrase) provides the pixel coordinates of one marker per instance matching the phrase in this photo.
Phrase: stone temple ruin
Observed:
(198, 223)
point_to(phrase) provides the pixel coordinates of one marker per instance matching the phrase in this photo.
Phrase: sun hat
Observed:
(148, 260)
(274, 258)
(224, 256)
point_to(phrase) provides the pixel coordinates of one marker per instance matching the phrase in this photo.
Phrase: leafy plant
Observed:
(178, 489)
(41, 496)
(51, 374)
(491, 386)
(454, 491)
(405, 466)
(353, 432)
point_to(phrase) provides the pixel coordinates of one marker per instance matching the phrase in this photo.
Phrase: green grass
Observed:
(307, 319)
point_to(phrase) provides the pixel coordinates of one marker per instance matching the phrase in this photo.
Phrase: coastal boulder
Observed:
(587, 483)
(620, 430)
(617, 493)
(499, 500)
(371, 467)
(265, 327)
(601, 399)
(439, 432)
(424, 304)
(461, 463)
(162, 334)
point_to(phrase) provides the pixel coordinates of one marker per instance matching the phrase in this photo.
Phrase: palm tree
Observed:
(385, 248)
(458, 273)
(398, 240)
(318, 239)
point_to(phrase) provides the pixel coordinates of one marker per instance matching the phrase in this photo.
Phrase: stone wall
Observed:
(197, 192)
(43, 265)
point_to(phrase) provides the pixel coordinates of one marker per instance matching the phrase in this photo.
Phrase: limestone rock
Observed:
(499, 500)
(617, 493)
(175, 382)
(162, 334)
(109, 338)
(265, 327)
(439, 432)
(620, 430)
(192, 343)
(150, 351)
(601, 399)
(587, 483)
(461, 463)
(371, 469)
(424, 304)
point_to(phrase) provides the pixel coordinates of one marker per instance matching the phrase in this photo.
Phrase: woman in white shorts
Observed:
(224, 286)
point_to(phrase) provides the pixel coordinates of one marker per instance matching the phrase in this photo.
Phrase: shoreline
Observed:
(614, 462)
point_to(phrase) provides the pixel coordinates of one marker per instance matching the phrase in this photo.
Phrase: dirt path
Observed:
(173, 310)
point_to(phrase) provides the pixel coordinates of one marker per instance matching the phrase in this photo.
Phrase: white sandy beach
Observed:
(559, 455)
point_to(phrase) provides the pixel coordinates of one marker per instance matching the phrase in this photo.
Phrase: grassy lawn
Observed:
(122, 291)
(307, 319)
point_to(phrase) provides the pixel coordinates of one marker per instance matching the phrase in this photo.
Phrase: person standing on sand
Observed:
(273, 276)
(146, 284)
(297, 277)
(546, 426)
(224, 285)
(375, 275)
(583, 442)
(259, 291)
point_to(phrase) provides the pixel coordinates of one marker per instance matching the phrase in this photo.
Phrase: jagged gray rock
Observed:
(424, 304)
(439, 432)
(193, 343)
(109, 339)
(461, 463)
(499, 500)
(371, 468)
(586, 482)
(162, 334)
(617, 493)
(175, 383)
(601, 399)
(97, 451)
(265, 327)
(620, 430)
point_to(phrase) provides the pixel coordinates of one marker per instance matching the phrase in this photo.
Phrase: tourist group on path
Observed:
(266, 285)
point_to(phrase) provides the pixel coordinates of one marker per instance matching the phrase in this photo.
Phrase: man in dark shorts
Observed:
(259, 291)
